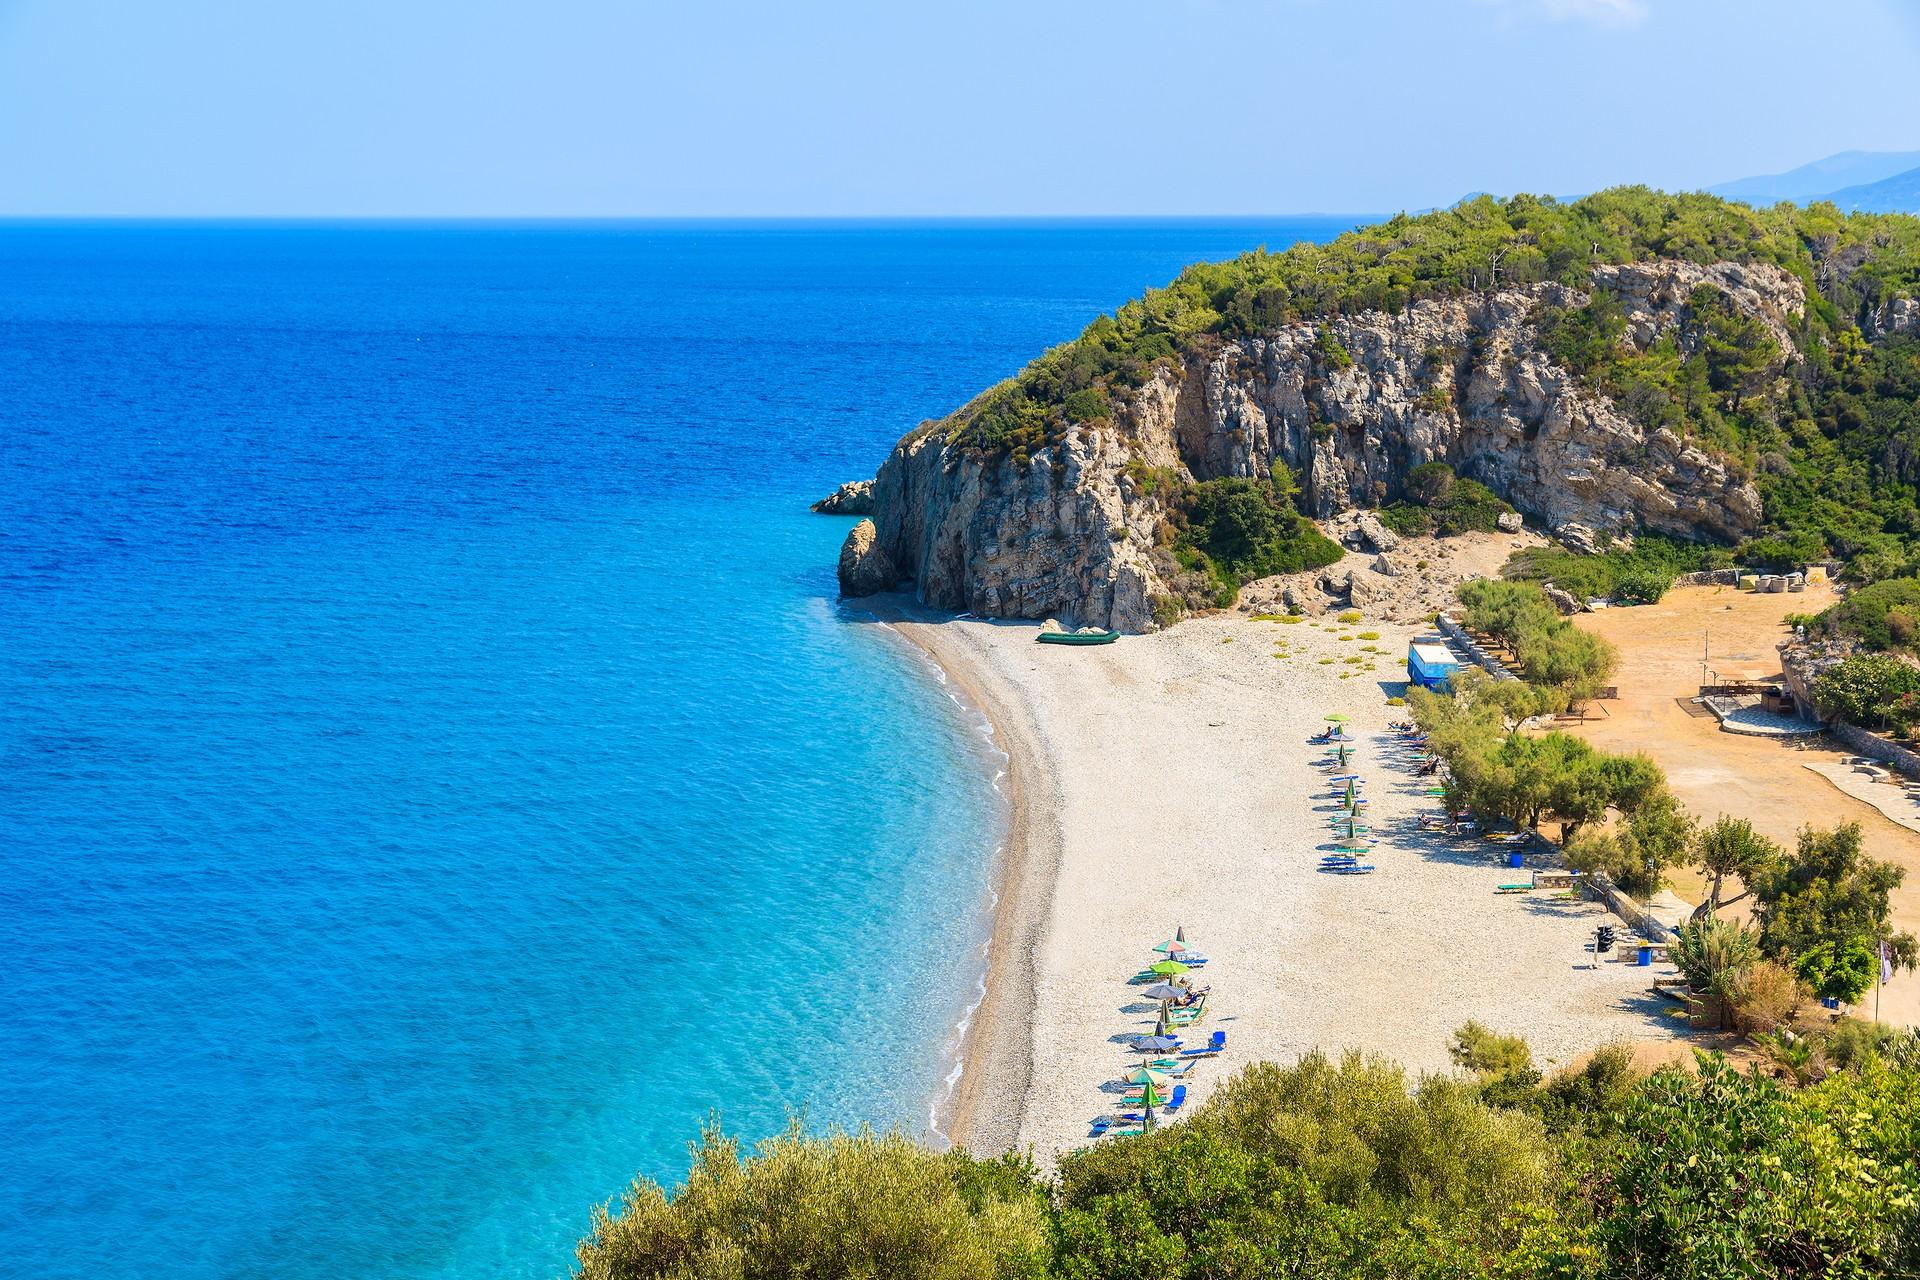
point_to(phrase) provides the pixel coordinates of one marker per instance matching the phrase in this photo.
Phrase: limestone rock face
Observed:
(865, 566)
(1461, 380)
(854, 498)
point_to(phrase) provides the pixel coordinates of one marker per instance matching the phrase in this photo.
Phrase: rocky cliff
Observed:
(1350, 403)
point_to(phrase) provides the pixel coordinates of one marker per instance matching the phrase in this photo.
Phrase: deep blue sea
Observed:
(435, 772)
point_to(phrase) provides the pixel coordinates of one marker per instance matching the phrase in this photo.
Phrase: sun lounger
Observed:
(1215, 1043)
(1349, 869)
(1513, 888)
(1178, 1099)
(1103, 1123)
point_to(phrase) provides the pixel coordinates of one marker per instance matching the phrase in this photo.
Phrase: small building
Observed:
(1430, 664)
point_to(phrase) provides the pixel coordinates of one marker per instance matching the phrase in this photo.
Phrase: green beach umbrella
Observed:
(1150, 1096)
(1147, 1076)
(1335, 718)
(1167, 968)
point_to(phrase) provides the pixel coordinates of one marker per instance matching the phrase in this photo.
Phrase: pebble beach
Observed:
(1165, 781)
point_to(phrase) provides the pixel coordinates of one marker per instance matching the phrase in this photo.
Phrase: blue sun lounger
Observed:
(1215, 1043)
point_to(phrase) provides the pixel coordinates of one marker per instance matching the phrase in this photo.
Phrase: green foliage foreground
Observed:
(1342, 1169)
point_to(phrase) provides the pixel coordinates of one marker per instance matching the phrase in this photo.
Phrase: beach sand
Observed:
(1166, 780)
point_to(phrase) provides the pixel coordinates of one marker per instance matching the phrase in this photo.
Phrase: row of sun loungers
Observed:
(1158, 1079)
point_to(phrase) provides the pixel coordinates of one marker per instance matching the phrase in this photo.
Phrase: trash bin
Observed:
(1516, 859)
(1646, 955)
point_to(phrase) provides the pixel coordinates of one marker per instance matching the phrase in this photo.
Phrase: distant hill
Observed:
(1898, 194)
(1823, 179)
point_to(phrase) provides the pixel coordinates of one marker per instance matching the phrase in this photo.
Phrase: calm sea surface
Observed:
(435, 773)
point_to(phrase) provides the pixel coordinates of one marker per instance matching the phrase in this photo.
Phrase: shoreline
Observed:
(986, 1107)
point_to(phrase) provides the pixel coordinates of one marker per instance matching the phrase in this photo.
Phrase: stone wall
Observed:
(1873, 746)
(1709, 578)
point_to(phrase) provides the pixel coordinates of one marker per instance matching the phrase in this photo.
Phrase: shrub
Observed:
(1649, 566)
(1724, 1174)
(1862, 689)
(1841, 970)
(1348, 618)
(1362, 1134)
(1642, 586)
(842, 1205)
(1851, 1043)
(1329, 347)
(1478, 1049)
(1764, 997)
(1086, 405)
(1235, 529)
(1881, 616)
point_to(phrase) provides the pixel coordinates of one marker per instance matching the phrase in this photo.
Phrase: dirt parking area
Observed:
(1729, 635)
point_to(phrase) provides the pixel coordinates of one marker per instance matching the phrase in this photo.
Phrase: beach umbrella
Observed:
(1148, 1076)
(1334, 718)
(1167, 968)
(1164, 991)
(1160, 1026)
(1149, 1099)
(1170, 946)
(1179, 933)
(1156, 1044)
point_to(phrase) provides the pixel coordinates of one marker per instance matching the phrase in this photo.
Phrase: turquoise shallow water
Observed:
(437, 773)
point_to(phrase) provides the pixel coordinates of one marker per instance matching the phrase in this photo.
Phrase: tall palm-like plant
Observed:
(1713, 956)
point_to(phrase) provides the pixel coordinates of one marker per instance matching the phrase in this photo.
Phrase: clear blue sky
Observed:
(625, 107)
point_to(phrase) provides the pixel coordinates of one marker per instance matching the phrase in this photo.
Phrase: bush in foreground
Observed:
(840, 1205)
(1336, 1169)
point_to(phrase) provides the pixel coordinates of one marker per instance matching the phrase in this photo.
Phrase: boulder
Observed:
(854, 498)
(1385, 567)
(865, 566)
(1578, 538)
(1377, 535)
(1509, 522)
(1364, 587)
(1562, 600)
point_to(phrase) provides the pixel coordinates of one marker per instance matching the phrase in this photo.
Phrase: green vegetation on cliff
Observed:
(1472, 246)
(1832, 444)
(1337, 1169)
(1439, 502)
